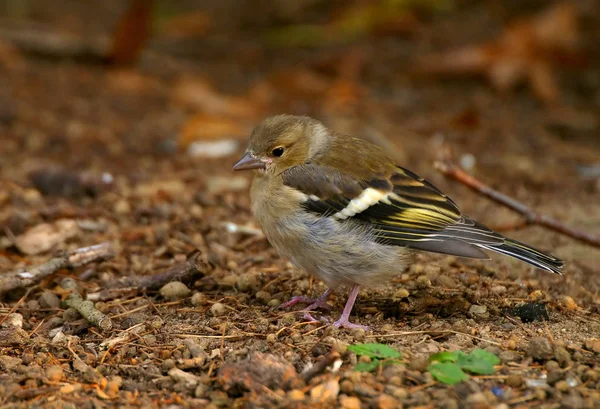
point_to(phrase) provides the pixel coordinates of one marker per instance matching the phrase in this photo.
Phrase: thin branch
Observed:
(531, 216)
(195, 266)
(27, 277)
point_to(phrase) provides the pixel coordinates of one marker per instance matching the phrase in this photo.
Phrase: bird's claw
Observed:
(344, 323)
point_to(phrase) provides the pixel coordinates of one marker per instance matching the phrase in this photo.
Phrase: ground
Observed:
(226, 343)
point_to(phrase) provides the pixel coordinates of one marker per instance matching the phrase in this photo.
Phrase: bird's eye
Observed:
(277, 151)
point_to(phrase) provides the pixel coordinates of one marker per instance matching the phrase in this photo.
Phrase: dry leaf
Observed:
(199, 94)
(44, 237)
(527, 50)
(204, 127)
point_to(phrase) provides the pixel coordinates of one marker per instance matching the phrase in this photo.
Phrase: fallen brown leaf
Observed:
(528, 50)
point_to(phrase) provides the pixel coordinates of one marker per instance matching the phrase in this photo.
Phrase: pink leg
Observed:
(344, 319)
(320, 302)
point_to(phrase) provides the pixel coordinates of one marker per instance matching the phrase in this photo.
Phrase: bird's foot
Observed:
(308, 317)
(314, 303)
(343, 322)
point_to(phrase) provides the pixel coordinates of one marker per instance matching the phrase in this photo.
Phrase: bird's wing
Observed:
(401, 208)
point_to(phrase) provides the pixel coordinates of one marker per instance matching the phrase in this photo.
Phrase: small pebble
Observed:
(349, 402)
(478, 309)
(14, 320)
(54, 373)
(295, 395)
(568, 302)
(175, 290)
(419, 363)
(562, 386)
(446, 281)
(198, 299)
(324, 392)
(422, 282)
(385, 401)
(400, 294)
(508, 356)
(49, 300)
(218, 309)
(514, 381)
(540, 349)
(346, 386)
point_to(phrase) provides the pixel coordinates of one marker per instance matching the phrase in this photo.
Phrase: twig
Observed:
(320, 366)
(196, 265)
(75, 258)
(85, 308)
(531, 216)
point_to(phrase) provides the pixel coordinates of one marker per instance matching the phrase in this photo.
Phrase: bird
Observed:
(341, 209)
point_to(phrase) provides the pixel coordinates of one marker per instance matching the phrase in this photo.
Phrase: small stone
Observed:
(572, 401)
(263, 296)
(449, 404)
(422, 282)
(479, 310)
(551, 365)
(198, 299)
(477, 398)
(385, 401)
(400, 294)
(13, 336)
(122, 207)
(247, 282)
(347, 386)
(397, 392)
(562, 386)
(324, 392)
(531, 312)
(167, 364)
(185, 378)
(14, 320)
(554, 376)
(508, 356)
(349, 402)
(54, 373)
(563, 357)
(514, 381)
(419, 363)
(175, 290)
(498, 289)
(218, 309)
(295, 395)
(569, 303)
(446, 281)
(537, 295)
(8, 363)
(593, 344)
(540, 349)
(49, 300)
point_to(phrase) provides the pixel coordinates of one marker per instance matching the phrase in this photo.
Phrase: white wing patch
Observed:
(366, 199)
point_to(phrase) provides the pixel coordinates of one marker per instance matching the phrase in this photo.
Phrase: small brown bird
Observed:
(340, 208)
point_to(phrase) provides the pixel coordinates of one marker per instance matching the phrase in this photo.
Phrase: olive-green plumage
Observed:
(340, 208)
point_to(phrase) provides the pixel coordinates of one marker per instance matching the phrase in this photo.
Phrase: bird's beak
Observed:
(249, 161)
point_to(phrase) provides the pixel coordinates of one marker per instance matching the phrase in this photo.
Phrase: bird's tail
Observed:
(527, 254)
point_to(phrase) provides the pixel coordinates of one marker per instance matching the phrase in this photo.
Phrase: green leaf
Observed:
(375, 351)
(478, 362)
(367, 366)
(443, 357)
(448, 373)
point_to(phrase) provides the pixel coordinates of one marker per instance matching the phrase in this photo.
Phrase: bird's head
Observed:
(282, 141)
